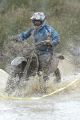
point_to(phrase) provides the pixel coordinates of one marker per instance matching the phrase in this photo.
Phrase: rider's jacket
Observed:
(44, 32)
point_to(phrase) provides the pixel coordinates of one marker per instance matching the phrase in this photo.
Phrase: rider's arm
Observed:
(55, 37)
(23, 36)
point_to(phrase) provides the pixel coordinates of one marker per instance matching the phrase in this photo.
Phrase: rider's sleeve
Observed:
(55, 37)
(24, 35)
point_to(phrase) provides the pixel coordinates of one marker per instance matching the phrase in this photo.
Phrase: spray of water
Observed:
(35, 86)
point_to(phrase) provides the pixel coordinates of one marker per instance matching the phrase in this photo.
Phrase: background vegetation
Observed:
(63, 15)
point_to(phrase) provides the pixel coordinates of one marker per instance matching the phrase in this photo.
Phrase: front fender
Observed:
(17, 61)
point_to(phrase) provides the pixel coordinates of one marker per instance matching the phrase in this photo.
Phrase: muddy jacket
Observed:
(40, 35)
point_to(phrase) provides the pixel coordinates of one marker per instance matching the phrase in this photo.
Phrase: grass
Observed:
(63, 15)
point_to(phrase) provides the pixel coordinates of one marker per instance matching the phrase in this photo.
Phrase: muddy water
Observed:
(63, 106)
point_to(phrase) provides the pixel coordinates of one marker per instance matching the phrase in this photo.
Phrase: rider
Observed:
(45, 39)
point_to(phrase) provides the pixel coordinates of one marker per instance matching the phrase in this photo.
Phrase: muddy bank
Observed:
(3, 79)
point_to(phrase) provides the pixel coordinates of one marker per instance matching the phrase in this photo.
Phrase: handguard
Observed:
(15, 38)
(48, 43)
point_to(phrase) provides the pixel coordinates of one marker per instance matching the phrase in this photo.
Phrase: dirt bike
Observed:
(24, 67)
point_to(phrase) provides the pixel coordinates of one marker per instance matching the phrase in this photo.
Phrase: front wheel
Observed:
(13, 81)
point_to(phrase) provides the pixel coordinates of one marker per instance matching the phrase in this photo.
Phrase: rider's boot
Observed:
(58, 75)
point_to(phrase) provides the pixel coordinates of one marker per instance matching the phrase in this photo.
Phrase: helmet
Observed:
(38, 16)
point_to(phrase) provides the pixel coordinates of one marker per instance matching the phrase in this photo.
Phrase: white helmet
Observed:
(38, 16)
